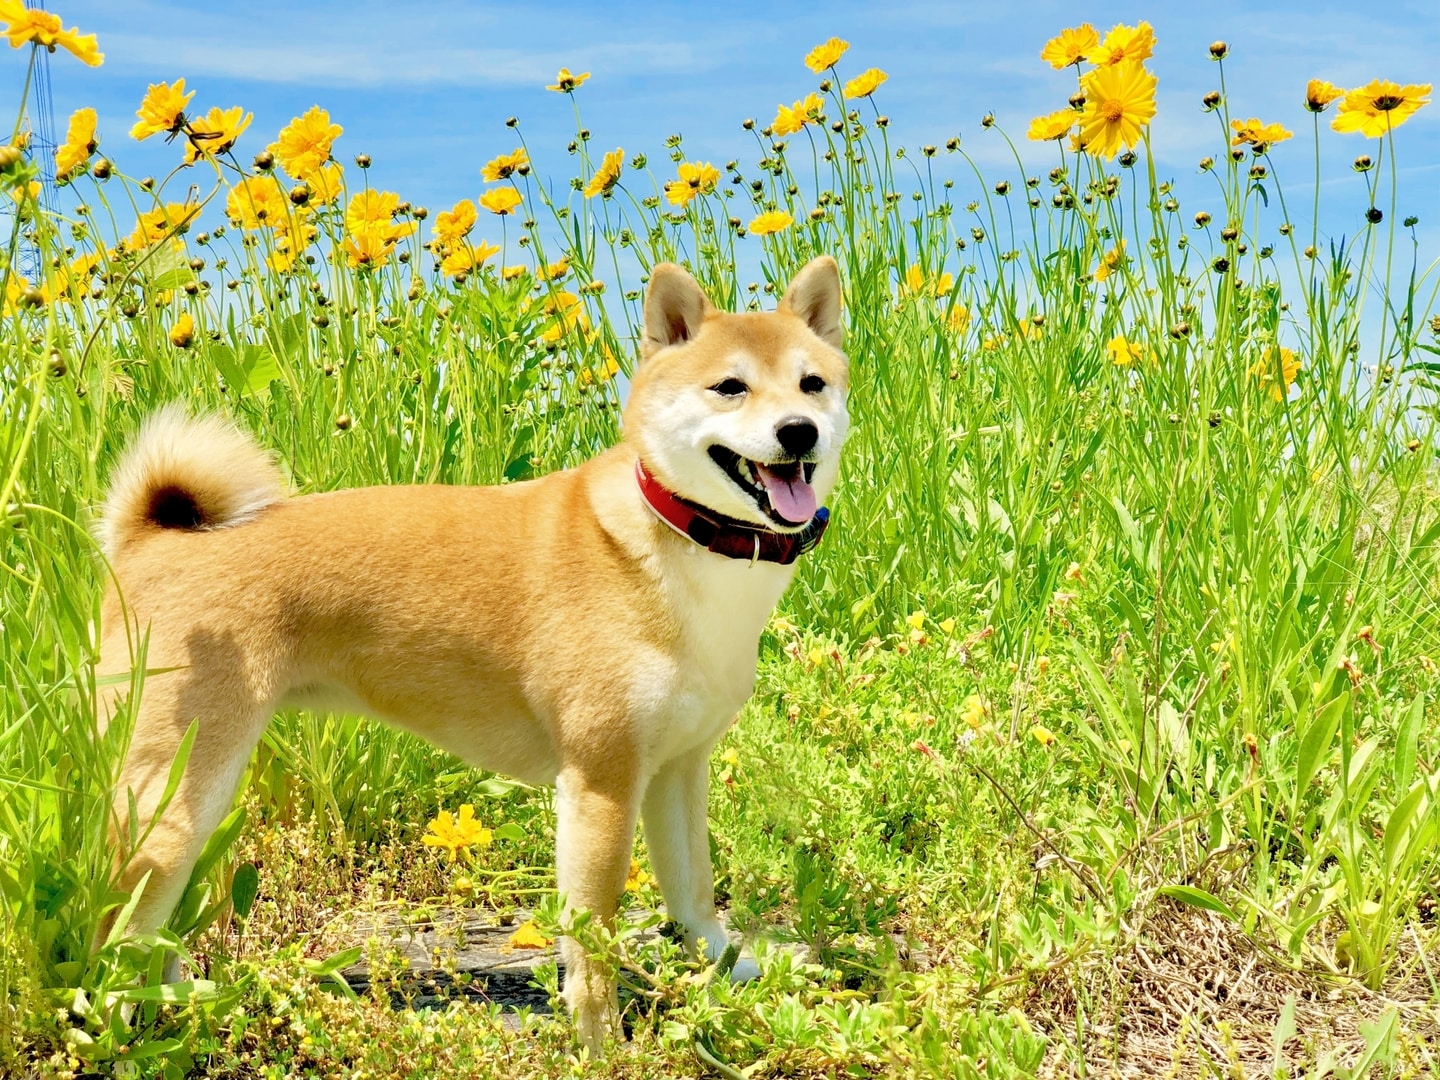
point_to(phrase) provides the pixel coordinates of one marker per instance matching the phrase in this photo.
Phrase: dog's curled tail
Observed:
(189, 473)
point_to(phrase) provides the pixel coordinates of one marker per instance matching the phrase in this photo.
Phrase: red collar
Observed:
(723, 535)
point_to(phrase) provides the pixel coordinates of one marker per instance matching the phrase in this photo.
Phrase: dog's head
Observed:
(743, 413)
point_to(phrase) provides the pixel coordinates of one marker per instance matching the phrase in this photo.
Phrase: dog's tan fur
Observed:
(554, 630)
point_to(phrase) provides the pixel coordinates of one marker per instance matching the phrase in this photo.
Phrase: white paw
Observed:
(744, 970)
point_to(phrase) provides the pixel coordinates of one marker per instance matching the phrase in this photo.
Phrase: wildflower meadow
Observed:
(1098, 737)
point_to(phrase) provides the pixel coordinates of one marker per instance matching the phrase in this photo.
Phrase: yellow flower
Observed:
(182, 334)
(1109, 261)
(1122, 351)
(326, 184)
(569, 314)
(606, 175)
(1119, 103)
(607, 369)
(1070, 46)
(1055, 125)
(565, 82)
(366, 250)
(1379, 107)
(528, 936)
(21, 192)
(1073, 572)
(790, 120)
(457, 833)
(257, 201)
(373, 212)
(1124, 43)
(554, 271)
(1319, 94)
(162, 110)
(503, 166)
(1285, 365)
(826, 55)
(916, 282)
(915, 620)
(304, 143)
(216, 132)
(501, 200)
(696, 178)
(161, 223)
(1261, 136)
(947, 626)
(73, 279)
(866, 83)
(972, 711)
(638, 878)
(465, 258)
(772, 221)
(510, 273)
(1043, 735)
(959, 321)
(79, 144)
(730, 757)
(452, 225)
(45, 29)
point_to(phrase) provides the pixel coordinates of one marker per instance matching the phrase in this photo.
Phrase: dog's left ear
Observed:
(814, 295)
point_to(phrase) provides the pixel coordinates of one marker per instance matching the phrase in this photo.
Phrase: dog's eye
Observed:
(812, 384)
(730, 388)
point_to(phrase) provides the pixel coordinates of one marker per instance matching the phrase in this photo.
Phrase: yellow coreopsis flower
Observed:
(528, 936)
(1109, 261)
(1055, 125)
(372, 213)
(1379, 106)
(79, 144)
(465, 258)
(637, 878)
(1070, 46)
(696, 178)
(1319, 94)
(326, 184)
(501, 200)
(182, 334)
(565, 82)
(1276, 371)
(1042, 735)
(772, 221)
(304, 143)
(972, 711)
(454, 834)
(553, 271)
(790, 120)
(502, 167)
(826, 55)
(1261, 136)
(366, 251)
(1119, 104)
(1123, 352)
(161, 223)
(510, 273)
(916, 282)
(257, 201)
(866, 83)
(46, 30)
(452, 225)
(607, 175)
(162, 110)
(1124, 43)
(959, 322)
(215, 132)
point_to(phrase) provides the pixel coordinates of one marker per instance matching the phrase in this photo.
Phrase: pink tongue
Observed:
(793, 500)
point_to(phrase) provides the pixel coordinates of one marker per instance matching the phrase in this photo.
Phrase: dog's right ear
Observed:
(675, 306)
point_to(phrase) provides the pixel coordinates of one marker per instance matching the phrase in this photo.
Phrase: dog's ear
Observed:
(814, 295)
(675, 306)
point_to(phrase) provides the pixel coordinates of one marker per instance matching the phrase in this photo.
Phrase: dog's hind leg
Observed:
(594, 838)
(212, 688)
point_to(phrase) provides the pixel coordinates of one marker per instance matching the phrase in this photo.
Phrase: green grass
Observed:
(1094, 656)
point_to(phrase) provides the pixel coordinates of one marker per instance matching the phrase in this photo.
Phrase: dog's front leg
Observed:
(594, 838)
(678, 840)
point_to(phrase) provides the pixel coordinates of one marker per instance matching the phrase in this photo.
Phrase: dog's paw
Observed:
(744, 970)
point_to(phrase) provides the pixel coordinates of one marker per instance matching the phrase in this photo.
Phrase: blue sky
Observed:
(425, 88)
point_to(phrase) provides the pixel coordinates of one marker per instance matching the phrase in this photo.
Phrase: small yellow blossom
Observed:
(1124, 43)
(916, 282)
(504, 166)
(528, 936)
(366, 250)
(1055, 125)
(607, 175)
(637, 878)
(947, 626)
(959, 320)
(1073, 572)
(25, 24)
(162, 110)
(1109, 261)
(1123, 352)
(789, 120)
(696, 178)
(1379, 107)
(731, 757)
(566, 82)
(452, 225)
(501, 200)
(372, 213)
(160, 224)
(772, 221)
(826, 55)
(21, 192)
(1277, 372)
(216, 132)
(79, 144)
(510, 273)
(257, 201)
(326, 184)
(465, 258)
(553, 271)
(1070, 46)
(915, 620)
(182, 334)
(866, 83)
(1043, 735)
(1319, 94)
(1119, 104)
(1261, 136)
(304, 143)
(972, 711)
(458, 833)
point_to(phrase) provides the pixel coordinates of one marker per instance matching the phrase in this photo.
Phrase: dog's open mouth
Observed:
(782, 490)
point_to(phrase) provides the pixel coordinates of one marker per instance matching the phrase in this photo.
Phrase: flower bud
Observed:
(1218, 50)
(1202, 219)
(1374, 215)
(264, 161)
(9, 157)
(362, 160)
(1211, 100)
(300, 194)
(1363, 163)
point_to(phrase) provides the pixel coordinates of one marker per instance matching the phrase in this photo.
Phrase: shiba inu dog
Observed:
(597, 629)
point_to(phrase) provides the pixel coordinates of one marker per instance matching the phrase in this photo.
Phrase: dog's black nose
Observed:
(798, 437)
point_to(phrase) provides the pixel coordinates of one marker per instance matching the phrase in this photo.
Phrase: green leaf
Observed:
(168, 993)
(509, 831)
(244, 888)
(1406, 743)
(1315, 744)
(331, 964)
(1199, 898)
(1397, 829)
